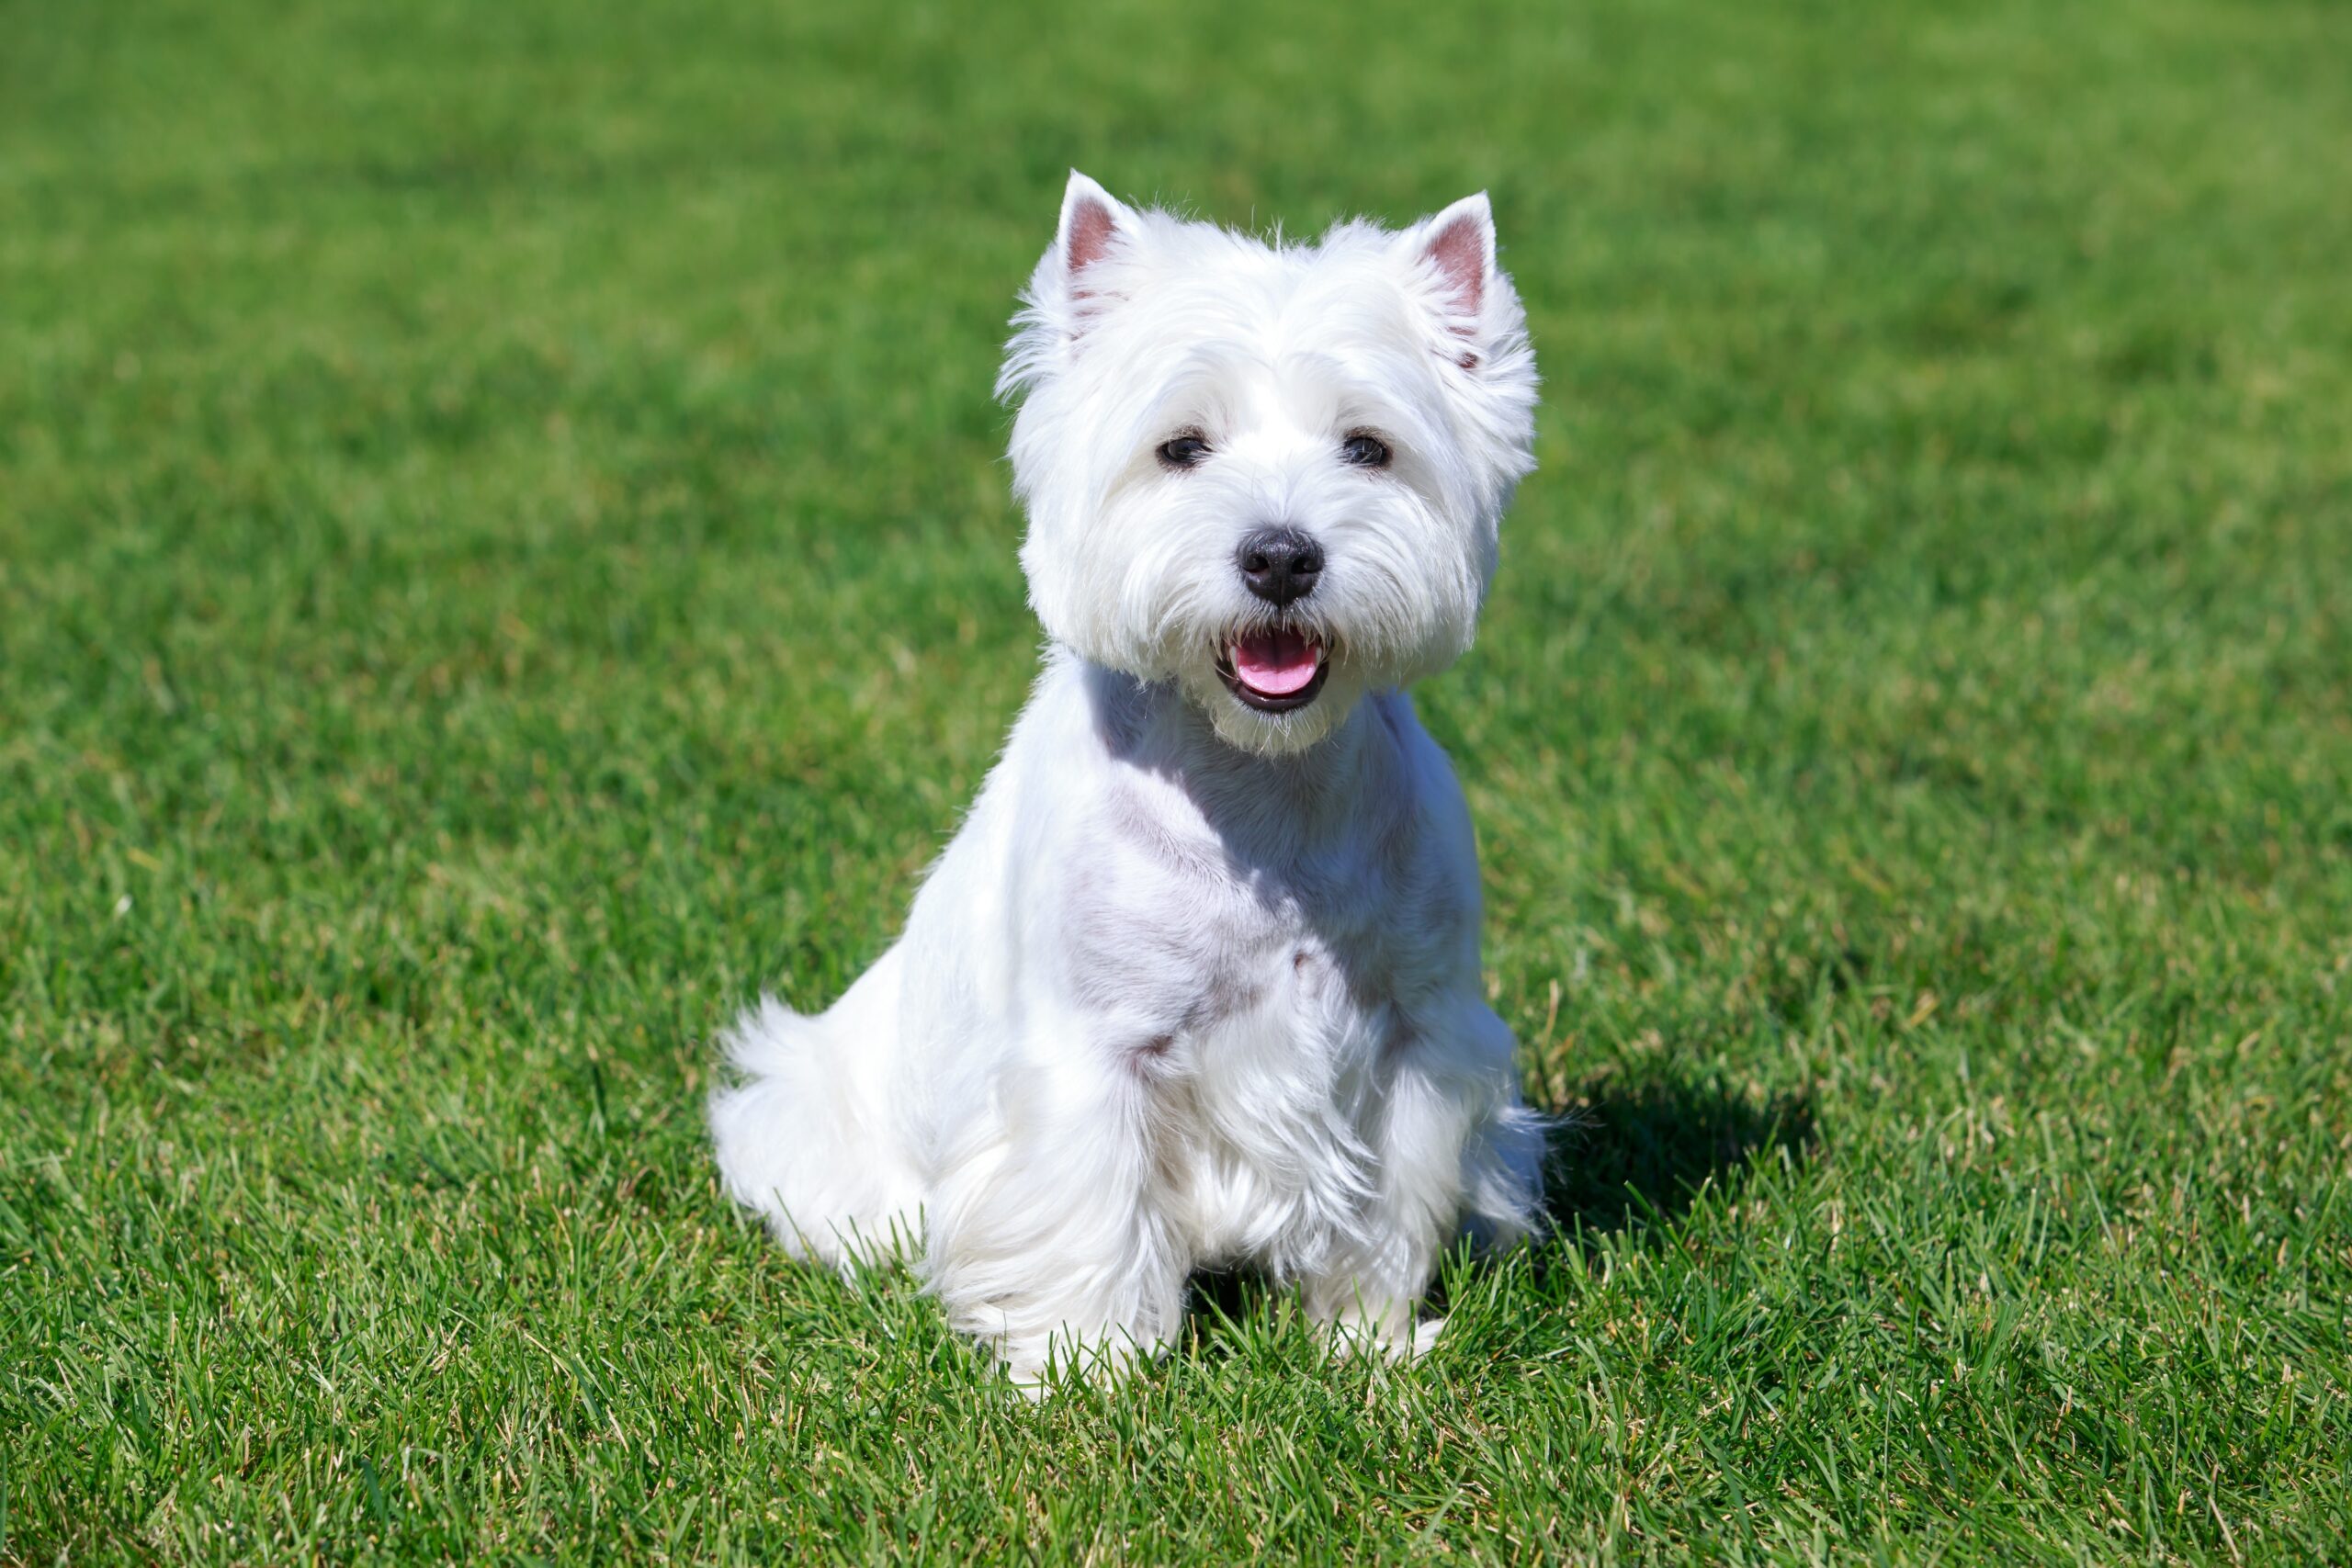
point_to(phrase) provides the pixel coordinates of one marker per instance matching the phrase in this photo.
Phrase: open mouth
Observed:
(1273, 672)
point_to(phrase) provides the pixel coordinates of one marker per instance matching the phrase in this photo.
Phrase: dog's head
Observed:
(1270, 473)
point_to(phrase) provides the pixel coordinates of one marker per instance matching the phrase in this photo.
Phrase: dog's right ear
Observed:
(1091, 222)
(1060, 297)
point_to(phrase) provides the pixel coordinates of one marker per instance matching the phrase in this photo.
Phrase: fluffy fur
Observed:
(1196, 982)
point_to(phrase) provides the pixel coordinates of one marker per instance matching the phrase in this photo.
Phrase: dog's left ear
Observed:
(1452, 257)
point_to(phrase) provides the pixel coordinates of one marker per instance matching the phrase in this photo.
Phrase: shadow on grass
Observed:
(1640, 1153)
(1623, 1155)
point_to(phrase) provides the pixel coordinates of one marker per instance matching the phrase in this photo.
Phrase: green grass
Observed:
(504, 551)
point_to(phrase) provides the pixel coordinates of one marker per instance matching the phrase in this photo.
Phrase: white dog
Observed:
(1197, 983)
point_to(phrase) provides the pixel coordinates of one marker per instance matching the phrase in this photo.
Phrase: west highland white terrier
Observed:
(1197, 983)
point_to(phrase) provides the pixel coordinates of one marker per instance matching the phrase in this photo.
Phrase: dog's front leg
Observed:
(1367, 1292)
(1452, 1145)
(1044, 1243)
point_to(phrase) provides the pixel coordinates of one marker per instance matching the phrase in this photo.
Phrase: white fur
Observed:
(1195, 985)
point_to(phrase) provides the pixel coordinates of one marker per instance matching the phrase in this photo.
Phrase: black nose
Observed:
(1280, 564)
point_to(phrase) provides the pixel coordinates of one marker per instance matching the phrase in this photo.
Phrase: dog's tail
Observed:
(803, 1133)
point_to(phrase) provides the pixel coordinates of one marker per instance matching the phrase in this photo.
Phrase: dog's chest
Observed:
(1257, 1009)
(1190, 946)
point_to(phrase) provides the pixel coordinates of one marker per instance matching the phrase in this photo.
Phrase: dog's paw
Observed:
(1393, 1341)
(1036, 1374)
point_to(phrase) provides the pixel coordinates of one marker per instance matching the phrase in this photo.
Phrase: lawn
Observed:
(505, 552)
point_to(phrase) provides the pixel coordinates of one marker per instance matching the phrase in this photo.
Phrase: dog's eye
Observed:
(1365, 451)
(1184, 451)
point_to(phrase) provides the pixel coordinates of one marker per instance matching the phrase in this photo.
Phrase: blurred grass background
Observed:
(503, 552)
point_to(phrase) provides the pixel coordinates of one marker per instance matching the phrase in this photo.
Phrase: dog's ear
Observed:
(1092, 223)
(1453, 256)
(1060, 299)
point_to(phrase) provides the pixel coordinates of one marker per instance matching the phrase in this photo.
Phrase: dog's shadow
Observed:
(1637, 1154)
(1626, 1156)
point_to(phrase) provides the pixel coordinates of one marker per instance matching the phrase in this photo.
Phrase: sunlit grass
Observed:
(504, 551)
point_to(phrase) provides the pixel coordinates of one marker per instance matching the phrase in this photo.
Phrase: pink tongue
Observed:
(1276, 663)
